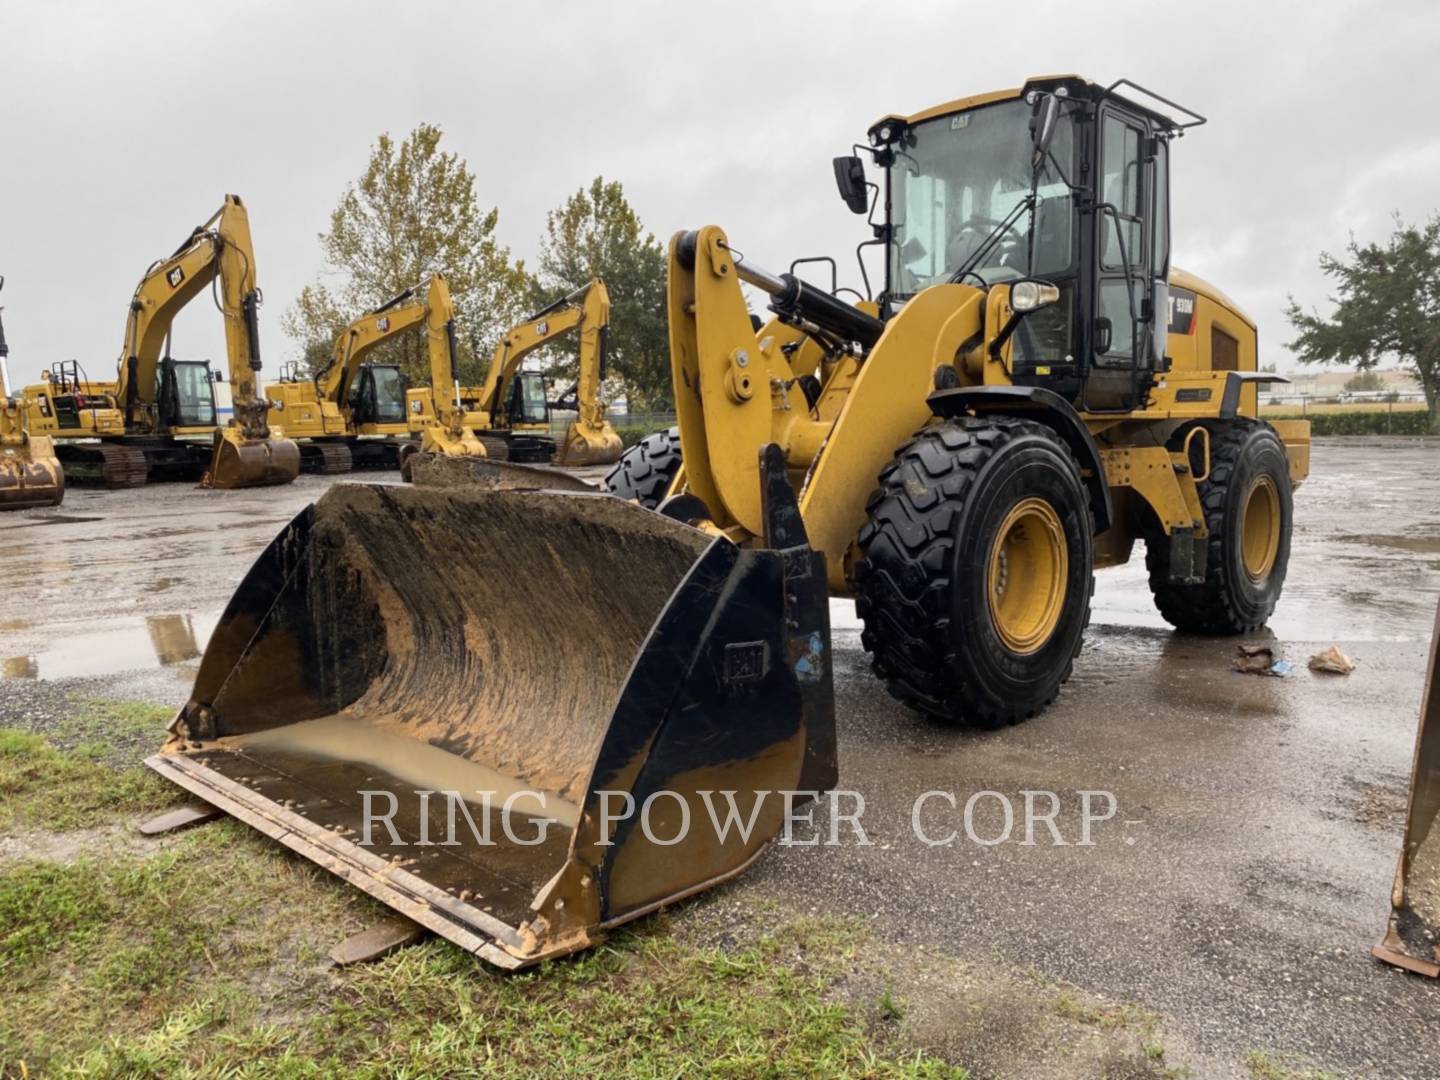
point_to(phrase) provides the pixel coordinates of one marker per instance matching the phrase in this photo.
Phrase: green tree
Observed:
(597, 234)
(412, 211)
(1365, 381)
(1387, 304)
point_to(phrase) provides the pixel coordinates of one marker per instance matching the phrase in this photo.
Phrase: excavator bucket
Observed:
(238, 462)
(1412, 940)
(519, 718)
(30, 474)
(584, 446)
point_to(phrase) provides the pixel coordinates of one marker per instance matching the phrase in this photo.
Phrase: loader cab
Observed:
(187, 394)
(378, 396)
(1061, 181)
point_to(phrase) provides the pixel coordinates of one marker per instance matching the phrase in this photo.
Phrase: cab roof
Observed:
(1075, 84)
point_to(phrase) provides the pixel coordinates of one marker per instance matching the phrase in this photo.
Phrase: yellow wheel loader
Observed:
(30, 474)
(352, 413)
(510, 411)
(159, 420)
(1032, 390)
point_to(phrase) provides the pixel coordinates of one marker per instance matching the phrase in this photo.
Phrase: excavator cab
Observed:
(529, 400)
(378, 395)
(187, 394)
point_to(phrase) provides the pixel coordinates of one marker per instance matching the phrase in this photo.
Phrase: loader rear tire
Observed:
(644, 472)
(976, 573)
(1249, 509)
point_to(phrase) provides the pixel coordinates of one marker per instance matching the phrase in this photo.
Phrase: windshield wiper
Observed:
(1008, 223)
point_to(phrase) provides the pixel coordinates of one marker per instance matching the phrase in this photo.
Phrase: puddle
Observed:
(51, 519)
(1421, 545)
(346, 737)
(127, 645)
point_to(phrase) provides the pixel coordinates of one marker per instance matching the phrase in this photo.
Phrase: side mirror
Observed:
(1103, 333)
(1043, 122)
(850, 179)
(218, 376)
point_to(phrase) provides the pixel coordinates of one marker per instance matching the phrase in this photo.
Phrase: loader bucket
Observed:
(1412, 940)
(398, 652)
(238, 462)
(586, 446)
(30, 474)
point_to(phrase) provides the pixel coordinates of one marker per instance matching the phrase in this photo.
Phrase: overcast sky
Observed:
(124, 124)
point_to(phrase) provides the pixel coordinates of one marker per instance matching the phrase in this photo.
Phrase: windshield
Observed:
(531, 406)
(389, 395)
(954, 182)
(195, 395)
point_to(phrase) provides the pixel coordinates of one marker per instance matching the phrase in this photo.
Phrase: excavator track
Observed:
(111, 465)
(496, 448)
(327, 459)
(526, 449)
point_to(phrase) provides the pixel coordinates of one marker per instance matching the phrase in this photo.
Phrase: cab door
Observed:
(1132, 256)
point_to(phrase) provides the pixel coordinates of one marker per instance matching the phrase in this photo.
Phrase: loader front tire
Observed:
(1249, 508)
(644, 472)
(976, 572)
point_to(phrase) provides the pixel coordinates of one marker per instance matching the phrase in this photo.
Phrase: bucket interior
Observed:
(398, 639)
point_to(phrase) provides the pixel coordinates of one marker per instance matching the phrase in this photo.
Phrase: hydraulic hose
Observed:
(789, 295)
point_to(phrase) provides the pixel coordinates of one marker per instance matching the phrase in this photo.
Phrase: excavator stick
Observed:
(240, 462)
(584, 445)
(509, 714)
(30, 474)
(1412, 940)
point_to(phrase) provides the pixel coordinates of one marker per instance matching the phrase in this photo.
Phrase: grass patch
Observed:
(203, 960)
(1107, 1017)
(141, 951)
(129, 731)
(62, 790)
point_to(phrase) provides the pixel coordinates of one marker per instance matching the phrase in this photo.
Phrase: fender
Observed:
(1046, 406)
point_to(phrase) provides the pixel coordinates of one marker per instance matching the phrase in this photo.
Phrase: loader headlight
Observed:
(1032, 295)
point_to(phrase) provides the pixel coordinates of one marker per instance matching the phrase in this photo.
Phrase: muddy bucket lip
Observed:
(463, 924)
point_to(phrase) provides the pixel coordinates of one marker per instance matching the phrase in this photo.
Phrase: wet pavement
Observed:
(1235, 891)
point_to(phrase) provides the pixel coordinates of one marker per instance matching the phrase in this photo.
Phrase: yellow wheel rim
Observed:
(1260, 528)
(1028, 571)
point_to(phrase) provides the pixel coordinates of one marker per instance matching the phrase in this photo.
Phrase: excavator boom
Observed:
(589, 439)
